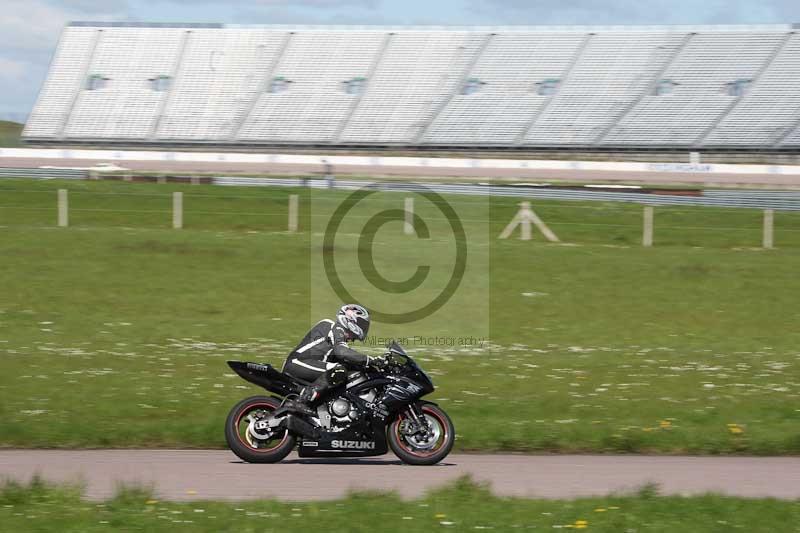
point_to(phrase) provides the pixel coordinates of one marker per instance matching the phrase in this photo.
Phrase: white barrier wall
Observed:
(7, 156)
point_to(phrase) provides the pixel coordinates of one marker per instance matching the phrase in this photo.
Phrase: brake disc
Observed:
(428, 441)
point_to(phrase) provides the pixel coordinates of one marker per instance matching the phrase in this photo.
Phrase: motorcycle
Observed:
(376, 410)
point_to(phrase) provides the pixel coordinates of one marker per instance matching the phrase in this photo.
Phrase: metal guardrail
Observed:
(753, 199)
(44, 173)
(780, 200)
(259, 182)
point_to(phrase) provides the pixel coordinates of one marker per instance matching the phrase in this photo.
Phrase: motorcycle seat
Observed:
(289, 377)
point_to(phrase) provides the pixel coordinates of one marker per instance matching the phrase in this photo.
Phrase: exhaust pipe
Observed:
(298, 426)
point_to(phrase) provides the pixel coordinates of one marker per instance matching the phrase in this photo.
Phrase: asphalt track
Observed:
(220, 475)
(605, 176)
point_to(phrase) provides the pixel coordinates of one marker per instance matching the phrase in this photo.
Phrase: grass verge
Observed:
(461, 506)
(114, 332)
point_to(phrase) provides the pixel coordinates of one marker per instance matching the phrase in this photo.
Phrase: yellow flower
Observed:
(665, 424)
(581, 524)
(599, 510)
(440, 515)
(151, 502)
(735, 429)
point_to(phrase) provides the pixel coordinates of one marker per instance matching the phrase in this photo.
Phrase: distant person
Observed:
(330, 179)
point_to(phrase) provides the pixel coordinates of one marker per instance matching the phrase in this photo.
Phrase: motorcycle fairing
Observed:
(360, 440)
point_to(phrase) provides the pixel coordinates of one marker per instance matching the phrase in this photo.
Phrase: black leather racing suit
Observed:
(323, 357)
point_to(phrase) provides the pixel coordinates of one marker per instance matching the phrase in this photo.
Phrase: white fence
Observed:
(8, 155)
(523, 219)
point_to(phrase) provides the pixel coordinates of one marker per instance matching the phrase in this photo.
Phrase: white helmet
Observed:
(355, 319)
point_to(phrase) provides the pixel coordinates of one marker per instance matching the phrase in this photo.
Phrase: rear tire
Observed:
(245, 445)
(403, 446)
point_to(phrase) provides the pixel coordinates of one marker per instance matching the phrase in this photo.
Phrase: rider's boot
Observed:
(312, 393)
(303, 404)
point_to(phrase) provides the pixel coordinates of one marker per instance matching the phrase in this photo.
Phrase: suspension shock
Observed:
(420, 422)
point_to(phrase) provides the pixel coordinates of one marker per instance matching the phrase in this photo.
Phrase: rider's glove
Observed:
(378, 363)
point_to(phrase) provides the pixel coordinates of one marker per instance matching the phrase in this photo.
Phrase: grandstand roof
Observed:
(507, 28)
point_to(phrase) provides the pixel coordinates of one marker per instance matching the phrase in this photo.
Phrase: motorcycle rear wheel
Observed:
(416, 452)
(248, 446)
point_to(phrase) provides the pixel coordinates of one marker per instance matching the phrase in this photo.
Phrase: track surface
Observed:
(218, 474)
(691, 178)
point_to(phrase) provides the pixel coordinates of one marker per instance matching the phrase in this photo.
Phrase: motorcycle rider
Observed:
(324, 358)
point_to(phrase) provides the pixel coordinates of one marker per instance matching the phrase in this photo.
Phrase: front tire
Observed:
(248, 446)
(429, 451)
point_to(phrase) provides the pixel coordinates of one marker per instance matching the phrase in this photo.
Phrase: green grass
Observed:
(10, 134)
(114, 332)
(461, 506)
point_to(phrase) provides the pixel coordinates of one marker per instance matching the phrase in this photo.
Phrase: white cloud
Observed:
(590, 12)
(36, 24)
(11, 70)
(30, 25)
(33, 24)
(30, 30)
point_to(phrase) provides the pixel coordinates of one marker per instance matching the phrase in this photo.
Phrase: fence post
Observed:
(161, 179)
(647, 237)
(177, 210)
(293, 198)
(63, 208)
(408, 227)
(769, 218)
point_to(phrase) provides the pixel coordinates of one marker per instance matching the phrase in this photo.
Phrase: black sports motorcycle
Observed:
(376, 410)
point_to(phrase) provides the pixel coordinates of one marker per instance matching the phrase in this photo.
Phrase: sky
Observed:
(30, 28)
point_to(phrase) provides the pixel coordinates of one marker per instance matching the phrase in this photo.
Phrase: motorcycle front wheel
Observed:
(246, 441)
(416, 447)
